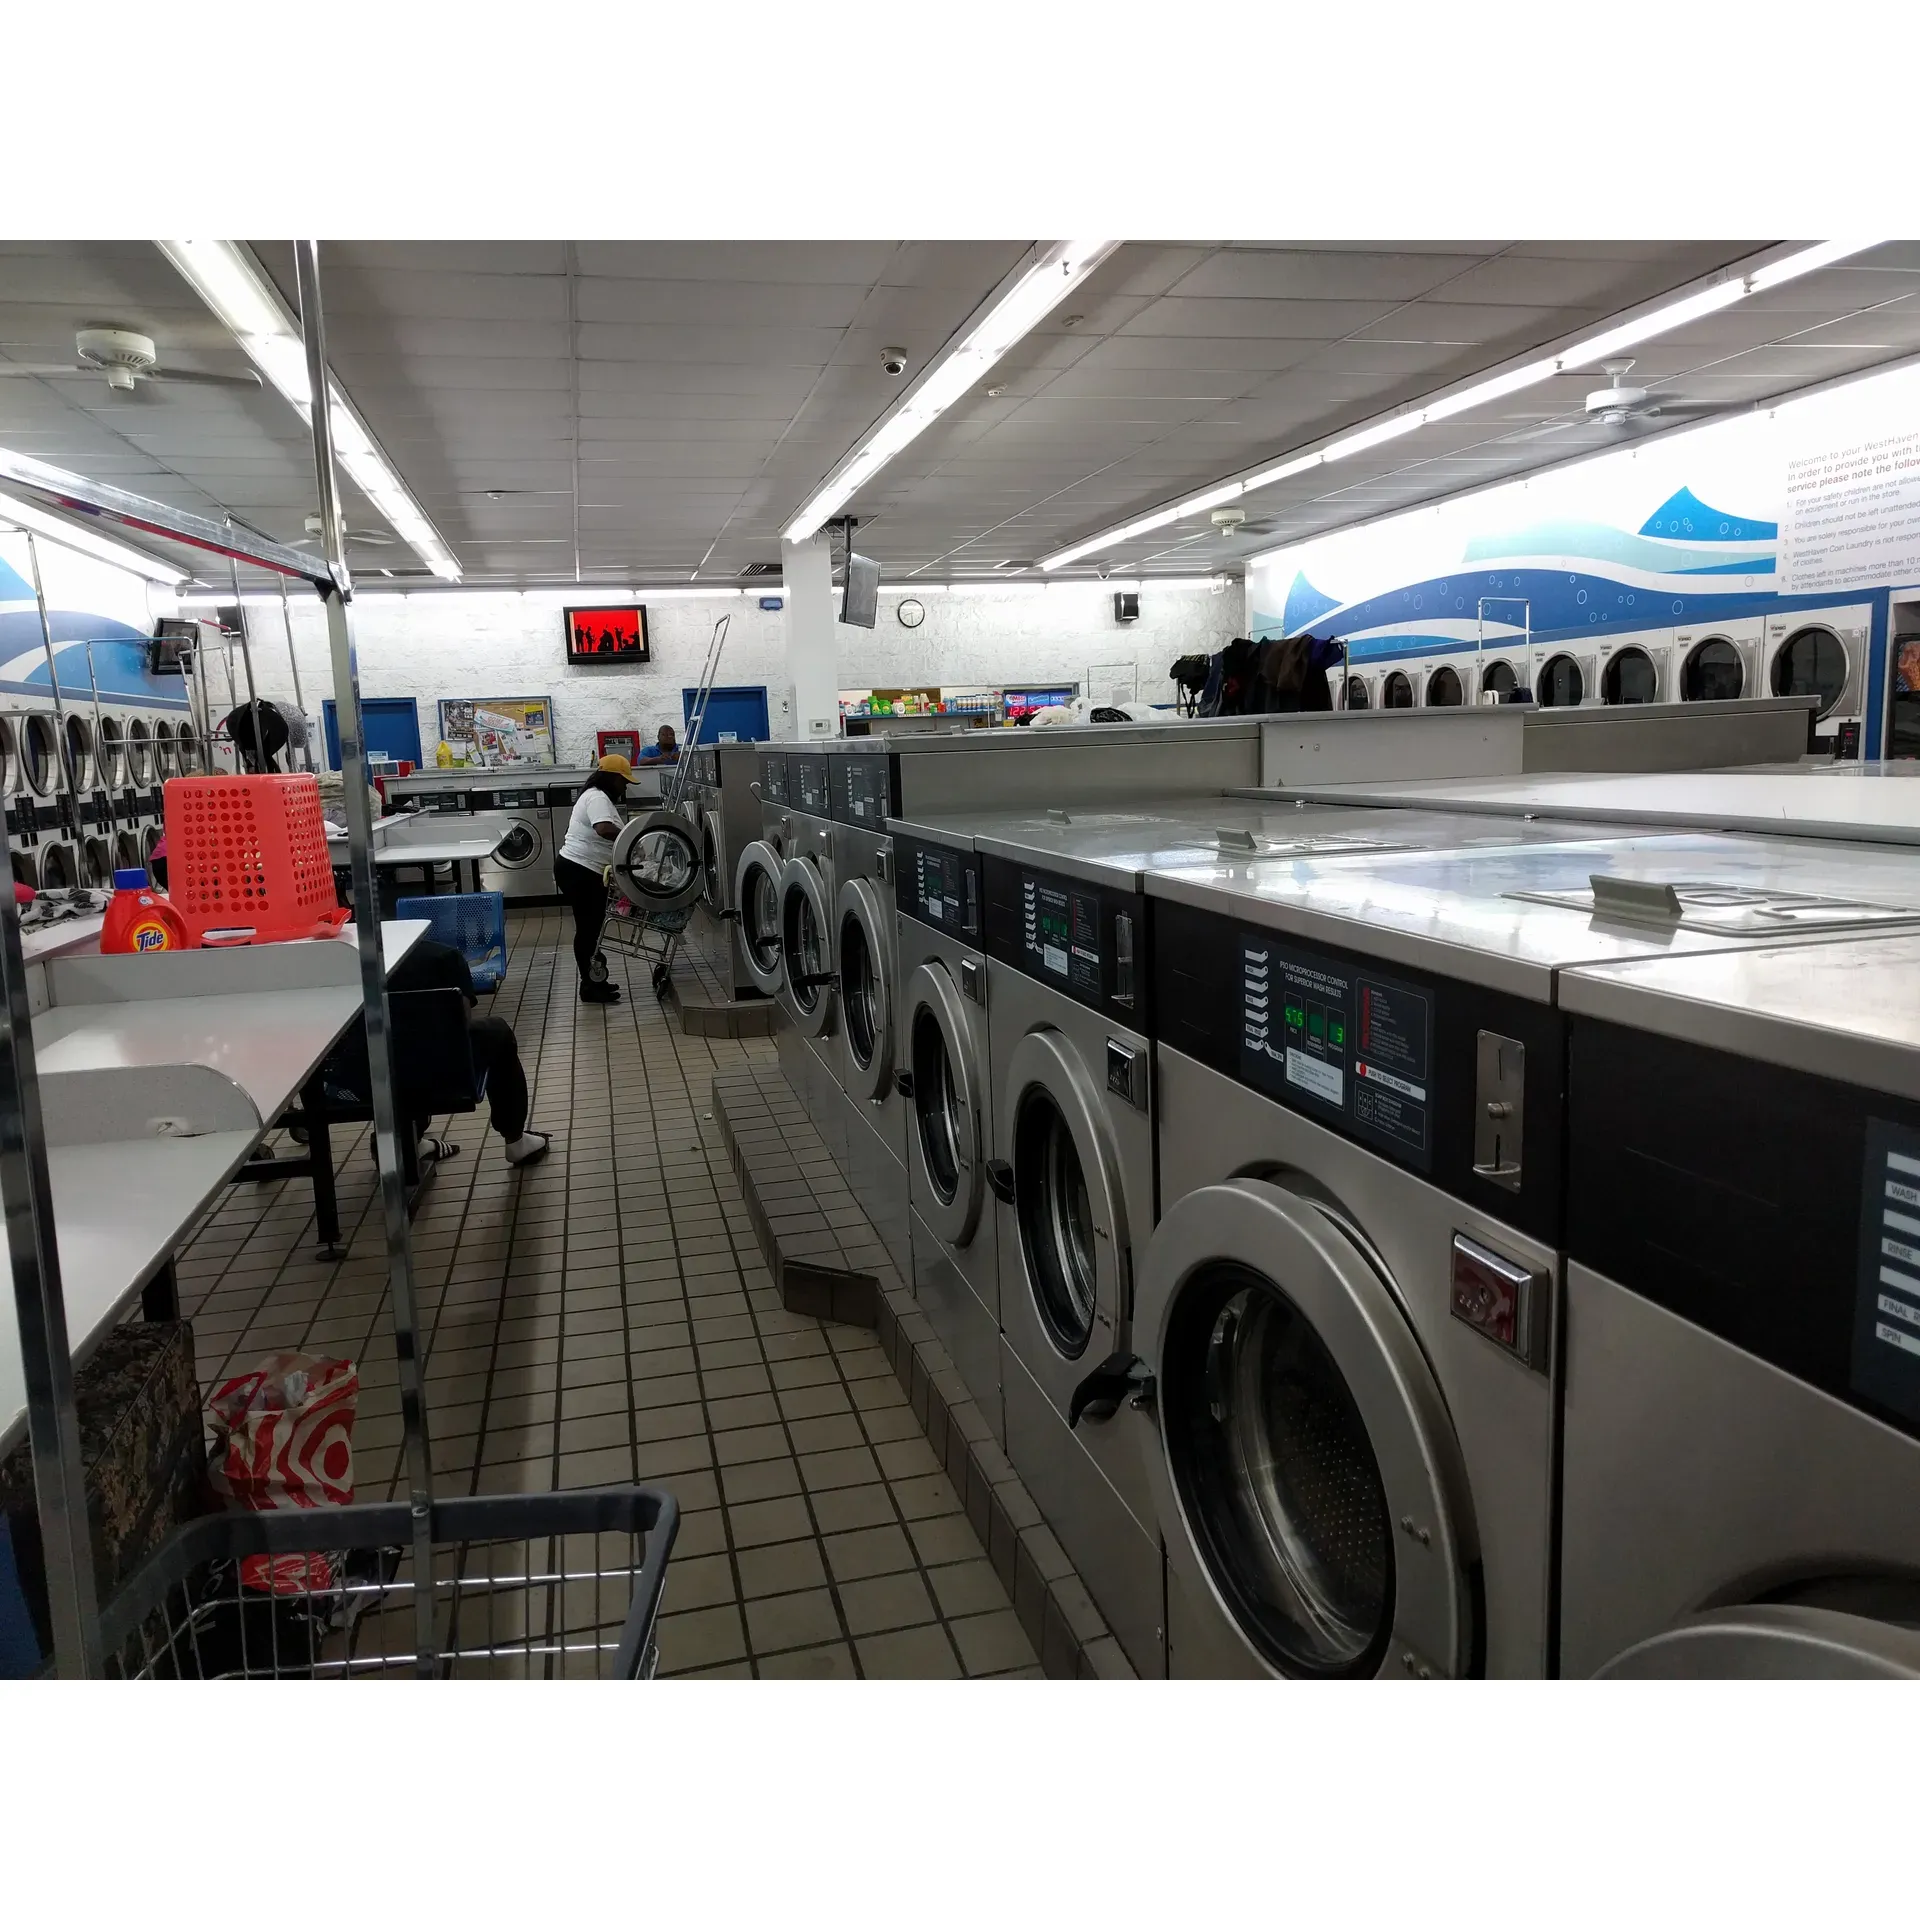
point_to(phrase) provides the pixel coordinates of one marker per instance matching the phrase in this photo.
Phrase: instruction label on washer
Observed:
(1060, 928)
(1886, 1323)
(946, 891)
(1327, 1037)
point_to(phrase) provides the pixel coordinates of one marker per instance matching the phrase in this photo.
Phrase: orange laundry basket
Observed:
(247, 858)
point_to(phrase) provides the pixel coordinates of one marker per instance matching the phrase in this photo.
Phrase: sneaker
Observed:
(599, 993)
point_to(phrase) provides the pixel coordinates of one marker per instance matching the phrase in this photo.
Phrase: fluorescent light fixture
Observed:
(66, 533)
(1811, 260)
(1010, 318)
(1629, 333)
(229, 280)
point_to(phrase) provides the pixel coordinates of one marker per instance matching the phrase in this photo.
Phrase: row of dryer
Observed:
(1824, 654)
(83, 799)
(1393, 1241)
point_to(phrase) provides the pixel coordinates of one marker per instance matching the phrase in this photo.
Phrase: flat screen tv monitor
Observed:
(860, 599)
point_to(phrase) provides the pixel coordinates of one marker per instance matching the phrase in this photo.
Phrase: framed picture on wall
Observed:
(499, 730)
(606, 636)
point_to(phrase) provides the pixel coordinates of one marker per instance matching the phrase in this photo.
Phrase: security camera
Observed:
(893, 360)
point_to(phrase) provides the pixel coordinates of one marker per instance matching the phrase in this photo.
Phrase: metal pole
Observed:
(99, 752)
(46, 1359)
(293, 661)
(60, 752)
(373, 975)
(246, 657)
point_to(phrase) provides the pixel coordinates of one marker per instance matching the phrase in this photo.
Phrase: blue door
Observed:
(393, 728)
(733, 713)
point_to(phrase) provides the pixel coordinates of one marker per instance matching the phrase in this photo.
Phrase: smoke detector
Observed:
(1229, 520)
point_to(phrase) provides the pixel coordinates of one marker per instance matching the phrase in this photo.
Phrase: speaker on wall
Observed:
(1126, 607)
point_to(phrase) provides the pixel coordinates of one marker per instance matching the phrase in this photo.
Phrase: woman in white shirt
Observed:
(580, 865)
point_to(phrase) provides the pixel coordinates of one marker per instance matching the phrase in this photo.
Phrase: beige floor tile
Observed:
(926, 1499)
(791, 1620)
(703, 1582)
(760, 1522)
(884, 1603)
(843, 1509)
(701, 1638)
(751, 1443)
(760, 1480)
(845, 1467)
(966, 1587)
(831, 1662)
(946, 1539)
(784, 1568)
(872, 1551)
(992, 1642)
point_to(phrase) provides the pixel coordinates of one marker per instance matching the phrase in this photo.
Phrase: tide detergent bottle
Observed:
(139, 920)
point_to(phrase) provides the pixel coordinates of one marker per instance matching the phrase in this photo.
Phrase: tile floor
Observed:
(605, 1316)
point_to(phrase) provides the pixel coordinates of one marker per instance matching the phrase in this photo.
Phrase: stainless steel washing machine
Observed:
(808, 990)
(756, 878)
(870, 1052)
(948, 1086)
(724, 808)
(521, 867)
(1741, 1455)
(1346, 1323)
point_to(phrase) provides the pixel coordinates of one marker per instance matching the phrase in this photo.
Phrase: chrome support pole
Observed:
(246, 652)
(337, 595)
(46, 1358)
(60, 753)
(103, 785)
(293, 661)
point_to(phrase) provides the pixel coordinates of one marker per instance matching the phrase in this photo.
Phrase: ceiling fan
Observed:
(1617, 405)
(355, 536)
(126, 360)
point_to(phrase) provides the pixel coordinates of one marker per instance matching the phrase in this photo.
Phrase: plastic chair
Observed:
(474, 924)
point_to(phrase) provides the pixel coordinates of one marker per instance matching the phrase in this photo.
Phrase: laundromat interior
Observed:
(761, 950)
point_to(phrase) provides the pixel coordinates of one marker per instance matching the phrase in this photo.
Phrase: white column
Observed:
(812, 663)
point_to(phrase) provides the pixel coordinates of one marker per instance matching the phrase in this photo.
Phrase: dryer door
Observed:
(806, 949)
(715, 876)
(1305, 1468)
(521, 847)
(944, 1140)
(756, 885)
(866, 991)
(656, 863)
(1072, 1227)
(1774, 1643)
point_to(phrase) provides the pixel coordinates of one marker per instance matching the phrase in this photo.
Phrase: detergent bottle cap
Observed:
(129, 879)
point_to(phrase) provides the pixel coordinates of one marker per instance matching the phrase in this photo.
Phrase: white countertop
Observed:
(121, 1208)
(400, 852)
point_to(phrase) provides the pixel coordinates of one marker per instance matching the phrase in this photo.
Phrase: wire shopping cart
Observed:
(523, 1586)
(640, 932)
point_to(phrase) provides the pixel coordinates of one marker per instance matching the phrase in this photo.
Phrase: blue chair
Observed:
(475, 924)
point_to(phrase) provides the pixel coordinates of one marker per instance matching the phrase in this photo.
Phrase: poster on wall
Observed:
(1851, 517)
(499, 730)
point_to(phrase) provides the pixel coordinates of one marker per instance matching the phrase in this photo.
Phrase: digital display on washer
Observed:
(946, 890)
(1886, 1321)
(773, 778)
(1060, 931)
(808, 774)
(860, 789)
(1328, 1034)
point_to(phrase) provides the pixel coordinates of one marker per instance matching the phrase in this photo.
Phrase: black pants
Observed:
(585, 892)
(496, 1053)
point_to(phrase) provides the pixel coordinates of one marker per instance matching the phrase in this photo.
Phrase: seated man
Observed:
(665, 747)
(496, 1052)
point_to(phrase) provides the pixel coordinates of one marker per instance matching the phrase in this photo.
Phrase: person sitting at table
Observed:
(666, 746)
(496, 1054)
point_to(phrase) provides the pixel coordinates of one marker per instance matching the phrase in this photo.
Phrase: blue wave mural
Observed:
(1684, 517)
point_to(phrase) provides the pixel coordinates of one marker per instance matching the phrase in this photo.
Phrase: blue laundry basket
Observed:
(473, 923)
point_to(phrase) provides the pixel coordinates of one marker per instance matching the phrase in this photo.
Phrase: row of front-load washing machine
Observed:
(82, 800)
(1392, 1242)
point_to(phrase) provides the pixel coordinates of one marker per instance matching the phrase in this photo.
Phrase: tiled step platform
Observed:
(700, 1000)
(828, 1262)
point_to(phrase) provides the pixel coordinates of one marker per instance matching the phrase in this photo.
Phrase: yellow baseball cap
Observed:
(616, 763)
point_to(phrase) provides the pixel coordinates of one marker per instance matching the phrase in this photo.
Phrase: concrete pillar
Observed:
(812, 663)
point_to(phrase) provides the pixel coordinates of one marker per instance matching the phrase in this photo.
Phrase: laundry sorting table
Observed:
(428, 843)
(159, 1076)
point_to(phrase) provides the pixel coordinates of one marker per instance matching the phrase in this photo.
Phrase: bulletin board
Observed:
(500, 730)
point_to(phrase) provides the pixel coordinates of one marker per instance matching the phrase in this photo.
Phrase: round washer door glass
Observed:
(1273, 1465)
(520, 848)
(939, 1107)
(1713, 672)
(1353, 693)
(859, 988)
(1628, 679)
(656, 862)
(1562, 684)
(713, 882)
(1812, 661)
(1499, 678)
(1056, 1221)
(866, 1008)
(1398, 691)
(758, 883)
(1443, 689)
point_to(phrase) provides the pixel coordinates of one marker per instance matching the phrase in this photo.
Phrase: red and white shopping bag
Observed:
(284, 1439)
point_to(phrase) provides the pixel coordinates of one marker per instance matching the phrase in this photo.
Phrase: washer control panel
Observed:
(938, 886)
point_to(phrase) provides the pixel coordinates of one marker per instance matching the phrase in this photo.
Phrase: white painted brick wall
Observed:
(460, 645)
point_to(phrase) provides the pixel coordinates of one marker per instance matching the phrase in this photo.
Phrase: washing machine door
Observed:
(806, 952)
(866, 994)
(945, 1138)
(756, 885)
(1074, 1247)
(1774, 1643)
(656, 862)
(521, 847)
(1302, 1458)
(714, 873)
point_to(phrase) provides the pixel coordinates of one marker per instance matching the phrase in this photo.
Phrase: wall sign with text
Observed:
(606, 636)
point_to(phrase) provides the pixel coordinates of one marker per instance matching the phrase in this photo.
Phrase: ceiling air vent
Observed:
(761, 570)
